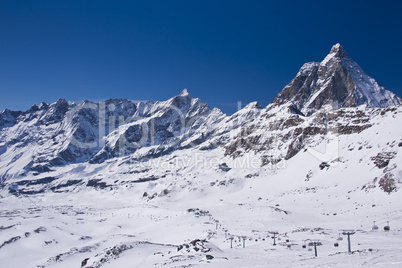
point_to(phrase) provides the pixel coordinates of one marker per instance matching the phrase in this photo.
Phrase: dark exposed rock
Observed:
(224, 167)
(6, 227)
(381, 160)
(293, 109)
(56, 112)
(324, 165)
(387, 183)
(84, 262)
(40, 168)
(11, 240)
(150, 178)
(8, 118)
(350, 129)
(97, 183)
(43, 181)
(64, 185)
(40, 229)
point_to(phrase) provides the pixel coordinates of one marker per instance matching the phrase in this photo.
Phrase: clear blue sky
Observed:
(222, 51)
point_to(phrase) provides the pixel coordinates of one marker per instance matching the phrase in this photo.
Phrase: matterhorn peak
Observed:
(337, 54)
(338, 50)
(337, 81)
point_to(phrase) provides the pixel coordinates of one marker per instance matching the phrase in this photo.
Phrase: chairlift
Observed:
(349, 233)
(375, 227)
(305, 243)
(315, 244)
(340, 238)
(275, 236)
(387, 228)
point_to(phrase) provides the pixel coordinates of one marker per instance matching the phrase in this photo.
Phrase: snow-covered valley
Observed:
(190, 214)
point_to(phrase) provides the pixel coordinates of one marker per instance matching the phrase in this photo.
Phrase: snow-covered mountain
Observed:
(45, 136)
(337, 81)
(177, 184)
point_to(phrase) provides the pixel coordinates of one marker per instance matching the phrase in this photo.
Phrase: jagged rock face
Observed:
(61, 133)
(296, 117)
(336, 82)
(8, 118)
(56, 112)
(49, 135)
(163, 129)
(282, 135)
(300, 88)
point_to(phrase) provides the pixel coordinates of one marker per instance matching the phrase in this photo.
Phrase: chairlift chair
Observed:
(387, 228)
(340, 238)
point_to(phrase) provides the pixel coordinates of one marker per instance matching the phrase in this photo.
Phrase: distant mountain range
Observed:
(332, 97)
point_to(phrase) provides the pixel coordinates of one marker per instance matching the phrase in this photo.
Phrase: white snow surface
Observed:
(182, 209)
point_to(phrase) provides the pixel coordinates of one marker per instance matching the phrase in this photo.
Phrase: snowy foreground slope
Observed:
(210, 194)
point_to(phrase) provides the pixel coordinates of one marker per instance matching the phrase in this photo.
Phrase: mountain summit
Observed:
(338, 50)
(337, 82)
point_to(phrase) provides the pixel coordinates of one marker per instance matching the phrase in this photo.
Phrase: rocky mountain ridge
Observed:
(325, 100)
(337, 82)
